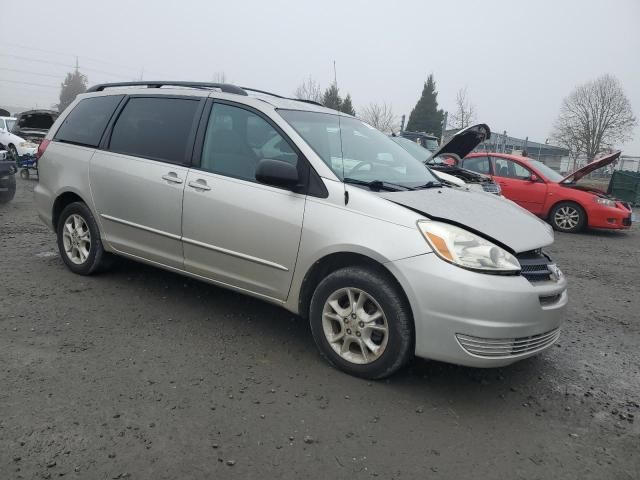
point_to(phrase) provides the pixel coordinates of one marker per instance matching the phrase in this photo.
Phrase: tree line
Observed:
(593, 118)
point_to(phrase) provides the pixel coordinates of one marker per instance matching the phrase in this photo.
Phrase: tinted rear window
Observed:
(87, 121)
(153, 127)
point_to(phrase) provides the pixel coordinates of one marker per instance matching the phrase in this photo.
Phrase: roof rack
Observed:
(312, 102)
(224, 87)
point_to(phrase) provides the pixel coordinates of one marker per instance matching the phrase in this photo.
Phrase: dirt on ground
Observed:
(140, 373)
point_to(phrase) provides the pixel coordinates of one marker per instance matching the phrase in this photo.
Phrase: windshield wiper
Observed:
(429, 185)
(377, 185)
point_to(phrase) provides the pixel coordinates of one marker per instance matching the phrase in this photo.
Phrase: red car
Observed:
(567, 206)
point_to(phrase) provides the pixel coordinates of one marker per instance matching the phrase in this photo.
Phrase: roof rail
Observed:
(224, 87)
(262, 91)
(312, 102)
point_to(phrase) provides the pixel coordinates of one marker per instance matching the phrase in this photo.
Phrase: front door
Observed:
(137, 183)
(237, 231)
(516, 184)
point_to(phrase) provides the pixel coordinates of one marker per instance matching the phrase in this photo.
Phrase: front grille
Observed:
(491, 187)
(507, 347)
(535, 266)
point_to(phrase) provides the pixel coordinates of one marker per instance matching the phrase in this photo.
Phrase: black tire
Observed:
(568, 217)
(13, 153)
(7, 189)
(96, 259)
(378, 284)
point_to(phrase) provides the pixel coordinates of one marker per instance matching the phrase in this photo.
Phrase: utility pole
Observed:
(444, 127)
(402, 123)
(335, 75)
(77, 65)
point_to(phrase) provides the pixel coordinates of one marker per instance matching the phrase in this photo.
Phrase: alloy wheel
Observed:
(567, 217)
(76, 239)
(355, 325)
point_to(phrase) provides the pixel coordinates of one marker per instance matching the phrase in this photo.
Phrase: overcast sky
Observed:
(517, 63)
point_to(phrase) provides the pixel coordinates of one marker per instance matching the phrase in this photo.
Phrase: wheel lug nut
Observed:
(348, 331)
(357, 334)
(361, 324)
(353, 315)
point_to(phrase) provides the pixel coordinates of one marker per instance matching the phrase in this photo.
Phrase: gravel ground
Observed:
(141, 373)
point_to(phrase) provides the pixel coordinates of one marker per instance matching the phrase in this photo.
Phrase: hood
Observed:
(467, 176)
(463, 142)
(591, 167)
(491, 216)
(449, 178)
(35, 121)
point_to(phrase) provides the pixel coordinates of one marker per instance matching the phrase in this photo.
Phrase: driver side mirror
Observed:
(277, 173)
(534, 178)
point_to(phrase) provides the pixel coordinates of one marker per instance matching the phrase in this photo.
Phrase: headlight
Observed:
(605, 201)
(26, 145)
(465, 249)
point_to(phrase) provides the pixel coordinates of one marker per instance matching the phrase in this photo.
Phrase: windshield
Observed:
(10, 124)
(354, 150)
(416, 151)
(431, 144)
(548, 172)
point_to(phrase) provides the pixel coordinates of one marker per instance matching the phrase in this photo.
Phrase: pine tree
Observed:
(74, 84)
(331, 97)
(425, 116)
(347, 106)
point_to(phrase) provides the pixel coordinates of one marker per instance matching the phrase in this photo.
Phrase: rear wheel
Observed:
(568, 217)
(361, 322)
(7, 189)
(79, 239)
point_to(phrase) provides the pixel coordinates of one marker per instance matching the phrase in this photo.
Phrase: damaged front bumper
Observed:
(477, 319)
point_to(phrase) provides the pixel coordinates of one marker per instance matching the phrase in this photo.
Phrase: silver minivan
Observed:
(307, 208)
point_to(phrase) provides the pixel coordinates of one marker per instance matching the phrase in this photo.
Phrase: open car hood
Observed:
(591, 167)
(463, 142)
(491, 216)
(35, 121)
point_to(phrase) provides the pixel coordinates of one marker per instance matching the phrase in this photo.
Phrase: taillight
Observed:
(42, 147)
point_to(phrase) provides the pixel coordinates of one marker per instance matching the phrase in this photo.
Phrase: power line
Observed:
(30, 73)
(29, 83)
(48, 62)
(84, 57)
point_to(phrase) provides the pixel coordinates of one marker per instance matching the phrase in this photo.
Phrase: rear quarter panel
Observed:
(62, 168)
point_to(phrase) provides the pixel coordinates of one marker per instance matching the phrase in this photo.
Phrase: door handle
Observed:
(199, 184)
(172, 177)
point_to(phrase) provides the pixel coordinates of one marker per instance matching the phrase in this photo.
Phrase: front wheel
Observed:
(79, 239)
(13, 153)
(568, 217)
(362, 323)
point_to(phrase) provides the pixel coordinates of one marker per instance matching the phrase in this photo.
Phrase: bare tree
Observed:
(309, 90)
(594, 117)
(381, 117)
(465, 112)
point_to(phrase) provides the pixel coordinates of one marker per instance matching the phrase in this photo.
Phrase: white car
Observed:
(15, 145)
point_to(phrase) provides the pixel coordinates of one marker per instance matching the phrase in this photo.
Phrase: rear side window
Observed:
(85, 124)
(154, 127)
